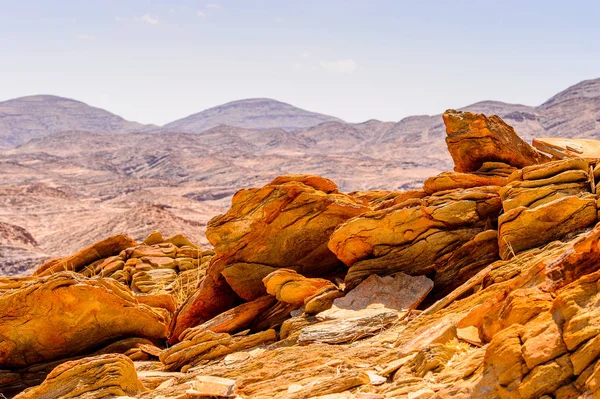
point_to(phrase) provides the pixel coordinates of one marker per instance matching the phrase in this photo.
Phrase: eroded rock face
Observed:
(89, 378)
(66, 314)
(475, 138)
(489, 174)
(410, 237)
(285, 224)
(293, 288)
(544, 203)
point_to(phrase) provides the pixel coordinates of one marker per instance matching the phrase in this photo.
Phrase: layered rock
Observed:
(412, 236)
(475, 138)
(91, 377)
(65, 314)
(285, 224)
(489, 174)
(544, 203)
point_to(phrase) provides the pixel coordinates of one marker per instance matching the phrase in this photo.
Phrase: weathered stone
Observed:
(490, 174)
(66, 314)
(411, 239)
(523, 228)
(474, 139)
(348, 326)
(89, 378)
(293, 288)
(399, 291)
(208, 345)
(103, 249)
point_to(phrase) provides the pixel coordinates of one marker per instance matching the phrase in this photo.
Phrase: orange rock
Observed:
(293, 288)
(90, 377)
(65, 315)
(410, 238)
(475, 138)
(524, 228)
(490, 174)
(103, 249)
(283, 225)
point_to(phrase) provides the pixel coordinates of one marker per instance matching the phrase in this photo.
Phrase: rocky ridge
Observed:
(482, 285)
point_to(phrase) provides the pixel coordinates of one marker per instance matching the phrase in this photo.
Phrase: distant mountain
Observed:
(26, 118)
(255, 113)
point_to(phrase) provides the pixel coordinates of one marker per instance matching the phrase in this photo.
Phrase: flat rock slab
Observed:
(347, 325)
(399, 291)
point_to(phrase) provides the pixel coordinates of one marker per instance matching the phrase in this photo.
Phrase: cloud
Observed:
(149, 19)
(83, 36)
(278, 20)
(345, 66)
(214, 6)
(200, 14)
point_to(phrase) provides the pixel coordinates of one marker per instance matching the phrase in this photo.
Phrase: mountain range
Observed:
(71, 174)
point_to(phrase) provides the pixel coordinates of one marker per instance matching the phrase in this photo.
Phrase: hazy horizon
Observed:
(155, 62)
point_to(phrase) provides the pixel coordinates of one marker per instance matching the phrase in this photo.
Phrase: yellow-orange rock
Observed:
(475, 138)
(285, 224)
(103, 249)
(88, 378)
(523, 228)
(65, 315)
(490, 174)
(410, 237)
(293, 288)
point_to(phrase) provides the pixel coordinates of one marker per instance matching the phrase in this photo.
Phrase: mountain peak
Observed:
(585, 89)
(252, 113)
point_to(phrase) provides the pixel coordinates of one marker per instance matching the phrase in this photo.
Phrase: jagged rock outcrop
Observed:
(89, 378)
(285, 224)
(475, 138)
(64, 315)
(413, 237)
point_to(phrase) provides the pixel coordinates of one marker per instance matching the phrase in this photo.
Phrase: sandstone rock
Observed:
(283, 225)
(348, 326)
(103, 249)
(490, 174)
(474, 139)
(399, 291)
(293, 288)
(234, 320)
(65, 315)
(410, 238)
(91, 377)
(522, 228)
(208, 345)
(205, 385)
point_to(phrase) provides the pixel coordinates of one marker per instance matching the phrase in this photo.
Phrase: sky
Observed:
(156, 61)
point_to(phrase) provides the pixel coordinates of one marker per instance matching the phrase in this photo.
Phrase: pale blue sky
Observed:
(156, 61)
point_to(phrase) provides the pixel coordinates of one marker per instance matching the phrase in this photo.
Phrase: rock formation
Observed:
(482, 285)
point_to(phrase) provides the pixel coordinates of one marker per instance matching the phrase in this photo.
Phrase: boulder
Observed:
(103, 249)
(410, 237)
(89, 378)
(399, 291)
(285, 224)
(65, 314)
(475, 138)
(293, 288)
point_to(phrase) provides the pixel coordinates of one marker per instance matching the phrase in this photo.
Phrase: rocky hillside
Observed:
(254, 113)
(26, 118)
(483, 283)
